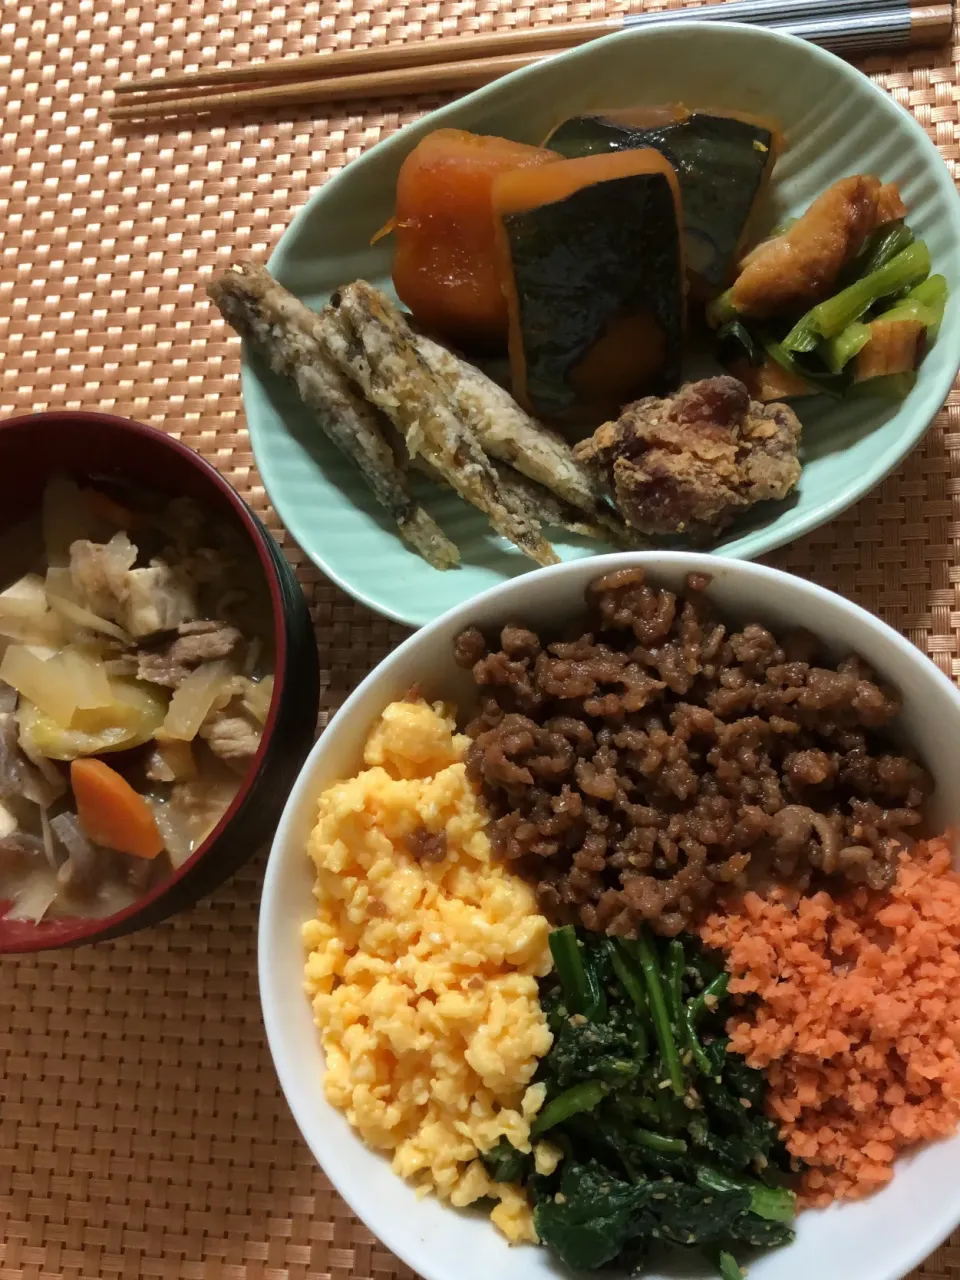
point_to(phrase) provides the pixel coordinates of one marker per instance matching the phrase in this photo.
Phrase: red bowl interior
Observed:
(33, 447)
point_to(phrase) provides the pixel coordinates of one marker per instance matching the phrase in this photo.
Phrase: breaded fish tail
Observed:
(373, 344)
(507, 432)
(283, 330)
(546, 507)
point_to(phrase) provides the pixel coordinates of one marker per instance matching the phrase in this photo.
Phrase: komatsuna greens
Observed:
(662, 1132)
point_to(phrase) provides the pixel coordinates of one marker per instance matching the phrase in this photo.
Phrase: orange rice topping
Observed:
(858, 1019)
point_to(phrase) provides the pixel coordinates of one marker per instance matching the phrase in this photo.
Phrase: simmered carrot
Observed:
(110, 510)
(770, 381)
(111, 813)
(445, 265)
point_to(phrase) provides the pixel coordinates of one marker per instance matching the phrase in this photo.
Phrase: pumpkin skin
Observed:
(445, 268)
(592, 268)
(723, 164)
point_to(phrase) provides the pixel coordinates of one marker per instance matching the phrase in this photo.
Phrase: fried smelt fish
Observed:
(545, 506)
(508, 432)
(372, 343)
(283, 330)
(540, 467)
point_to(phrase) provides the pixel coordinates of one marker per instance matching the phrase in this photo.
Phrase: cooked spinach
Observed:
(663, 1132)
(587, 1216)
(504, 1163)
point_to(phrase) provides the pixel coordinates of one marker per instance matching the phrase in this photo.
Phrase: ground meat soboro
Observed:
(635, 765)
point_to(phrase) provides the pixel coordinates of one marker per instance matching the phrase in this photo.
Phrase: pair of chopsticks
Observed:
(848, 27)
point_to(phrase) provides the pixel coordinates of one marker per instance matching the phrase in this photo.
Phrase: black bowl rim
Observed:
(124, 921)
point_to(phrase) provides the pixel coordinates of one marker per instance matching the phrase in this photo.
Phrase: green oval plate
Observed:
(835, 122)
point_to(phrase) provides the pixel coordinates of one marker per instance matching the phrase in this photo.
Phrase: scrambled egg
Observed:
(423, 967)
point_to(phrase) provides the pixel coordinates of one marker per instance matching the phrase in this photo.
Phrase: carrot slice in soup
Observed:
(111, 813)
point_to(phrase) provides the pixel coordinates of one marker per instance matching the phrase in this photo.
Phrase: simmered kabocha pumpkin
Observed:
(592, 265)
(445, 268)
(722, 162)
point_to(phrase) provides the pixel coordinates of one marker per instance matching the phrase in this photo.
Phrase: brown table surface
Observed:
(142, 1131)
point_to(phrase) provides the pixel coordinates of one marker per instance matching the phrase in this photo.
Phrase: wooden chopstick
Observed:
(848, 26)
(778, 13)
(439, 77)
(326, 66)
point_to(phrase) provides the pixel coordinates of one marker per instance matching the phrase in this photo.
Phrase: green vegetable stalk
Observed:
(709, 997)
(581, 988)
(839, 351)
(645, 953)
(695, 1009)
(673, 971)
(630, 977)
(926, 303)
(882, 247)
(777, 1204)
(727, 1266)
(830, 318)
(722, 310)
(580, 1097)
(657, 1142)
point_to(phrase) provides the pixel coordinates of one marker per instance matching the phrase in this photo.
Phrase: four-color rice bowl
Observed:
(878, 1238)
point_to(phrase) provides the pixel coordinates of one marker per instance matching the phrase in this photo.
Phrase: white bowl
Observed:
(878, 1239)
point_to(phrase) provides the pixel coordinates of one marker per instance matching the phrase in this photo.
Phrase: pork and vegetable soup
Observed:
(135, 680)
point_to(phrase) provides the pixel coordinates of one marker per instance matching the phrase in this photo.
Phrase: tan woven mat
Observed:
(142, 1132)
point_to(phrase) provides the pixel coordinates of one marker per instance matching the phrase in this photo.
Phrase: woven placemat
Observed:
(142, 1132)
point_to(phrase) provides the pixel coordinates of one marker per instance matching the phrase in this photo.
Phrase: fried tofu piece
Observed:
(799, 268)
(894, 347)
(890, 206)
(691, 463)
